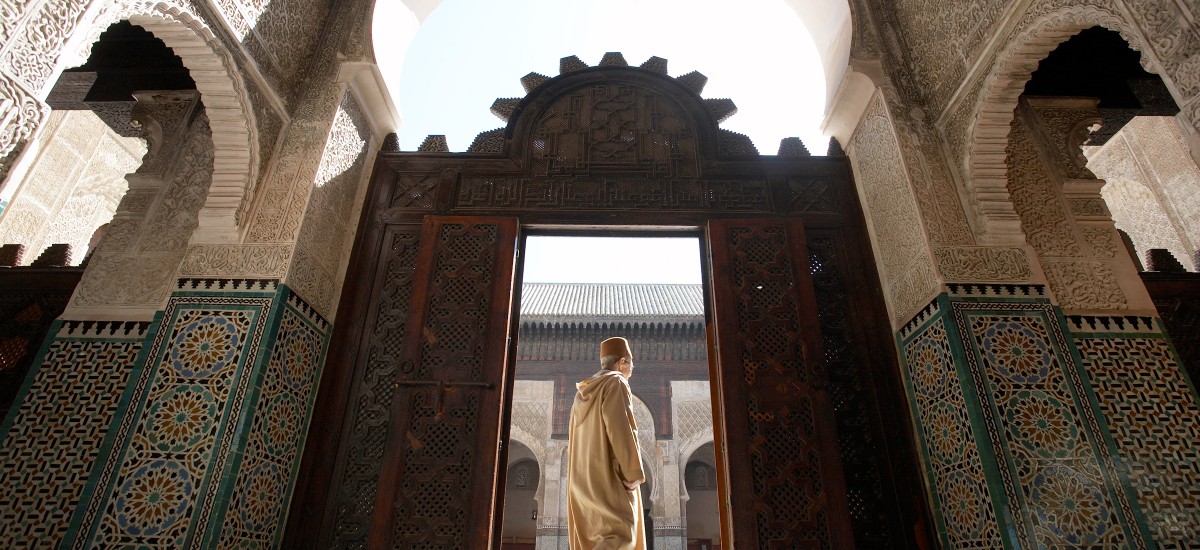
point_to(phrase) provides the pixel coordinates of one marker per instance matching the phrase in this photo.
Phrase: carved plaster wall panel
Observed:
(136, 264)
(974, 123)
(325, 236)
(933, 187)
(1081, 270)
(52, 34)
(1149, 158)
(72, 186)
(1043, 215)
(893, 211)
(1084, 285)
(1064, 124)
(267, 261)
(30, 49)
(280, 35)
(914, 287)
(963, 263)
(947, 37)
(531, 408)
(691, 414)
(281, 201)
(1102, 240)
(1137, 211)
(21, 113)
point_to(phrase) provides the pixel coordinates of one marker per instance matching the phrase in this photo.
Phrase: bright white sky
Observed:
(470, 52)
(591, 260)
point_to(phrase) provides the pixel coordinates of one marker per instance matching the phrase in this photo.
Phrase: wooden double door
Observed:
(408, 443)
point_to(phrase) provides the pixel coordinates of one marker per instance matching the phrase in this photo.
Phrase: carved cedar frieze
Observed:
(600, 193)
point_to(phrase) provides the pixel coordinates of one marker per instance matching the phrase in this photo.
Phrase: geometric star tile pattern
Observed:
(163, 489)
(276, 438)
(1060, 481)
(949, 451)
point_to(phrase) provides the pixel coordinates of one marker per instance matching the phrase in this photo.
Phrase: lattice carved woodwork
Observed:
(440, 462)
(852, 380)
(780, 440)
(371, 403)
(614, 127)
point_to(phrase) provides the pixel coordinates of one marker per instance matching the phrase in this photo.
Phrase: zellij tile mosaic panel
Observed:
(1056, 468)
(179, 442)
(54, 438)
(284, 406)
(1155, 421)
(963, 503)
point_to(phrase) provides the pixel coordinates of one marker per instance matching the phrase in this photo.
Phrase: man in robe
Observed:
(604, 471)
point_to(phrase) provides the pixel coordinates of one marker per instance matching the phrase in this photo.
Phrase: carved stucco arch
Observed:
(686, 453)
(226, 102)
(647, 442)
(522, 436)
(988, 134)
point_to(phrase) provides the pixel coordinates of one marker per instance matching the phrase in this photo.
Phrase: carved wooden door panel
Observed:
(785, 486)
(437, 483)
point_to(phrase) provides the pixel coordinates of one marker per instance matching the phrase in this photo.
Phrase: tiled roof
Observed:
(611, 300)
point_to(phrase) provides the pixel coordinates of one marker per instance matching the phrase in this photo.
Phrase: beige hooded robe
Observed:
(602, 458)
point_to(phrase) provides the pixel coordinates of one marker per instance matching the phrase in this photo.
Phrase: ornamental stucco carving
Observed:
(892, 208)
(72, 185)
(1065, 124)
(1153, 185)
(265, 261)
(889, 198)
(31, 49)
(325, 236)
(933, 187)
(1043, 216)
(53, 34)
(135, 265)
(975, 120)
(1084, 285)
(964, 263)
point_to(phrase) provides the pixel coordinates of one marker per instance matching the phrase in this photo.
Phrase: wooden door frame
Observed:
(711, 174)
(312, 509)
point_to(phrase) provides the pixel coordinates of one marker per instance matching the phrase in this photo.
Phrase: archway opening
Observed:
(58, 202)
(703, 525)
(577, 291)
(521, 492)
(1099, 167)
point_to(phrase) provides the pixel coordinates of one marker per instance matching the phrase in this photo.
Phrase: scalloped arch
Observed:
(993, 113)
(223, 91)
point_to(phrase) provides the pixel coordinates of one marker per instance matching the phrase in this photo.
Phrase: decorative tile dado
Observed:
(56, 436)
(175, 442)
(1155, 421)
(1055, 464)
(272, 449)
(964, 513)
